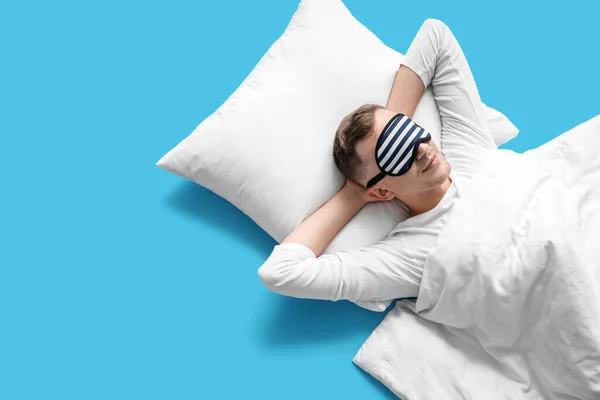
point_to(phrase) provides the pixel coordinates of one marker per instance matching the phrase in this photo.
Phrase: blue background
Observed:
(122, 281)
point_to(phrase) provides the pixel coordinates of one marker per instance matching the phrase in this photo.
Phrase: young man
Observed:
(391, 268)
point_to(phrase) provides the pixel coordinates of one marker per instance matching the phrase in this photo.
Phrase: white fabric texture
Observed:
(509, 306)
(392, 268)
(268, 148)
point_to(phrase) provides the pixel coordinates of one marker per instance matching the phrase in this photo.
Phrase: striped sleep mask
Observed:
(397, 147)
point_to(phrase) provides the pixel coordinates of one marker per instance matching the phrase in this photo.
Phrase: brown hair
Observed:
(355, 126)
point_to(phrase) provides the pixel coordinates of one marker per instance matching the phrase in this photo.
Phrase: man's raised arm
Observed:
(406, 92)
(435, 57)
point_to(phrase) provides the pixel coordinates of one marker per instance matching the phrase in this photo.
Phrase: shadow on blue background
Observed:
(119, 280)
(195, 201)
(294, 321)
(302, 322)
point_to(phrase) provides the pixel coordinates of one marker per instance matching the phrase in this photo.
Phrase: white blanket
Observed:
(509, 305)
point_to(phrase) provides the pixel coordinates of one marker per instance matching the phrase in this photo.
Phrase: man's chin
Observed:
(446, 173)
(439, 181)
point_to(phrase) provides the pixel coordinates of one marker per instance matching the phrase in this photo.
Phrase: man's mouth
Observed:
(432, 160)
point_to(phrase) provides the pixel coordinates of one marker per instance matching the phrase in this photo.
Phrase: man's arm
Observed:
(319, 229)
(406, 92)
(376, 273)
(437, 59)
(379, 273)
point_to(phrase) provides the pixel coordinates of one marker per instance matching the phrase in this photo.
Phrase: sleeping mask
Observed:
(397, 146)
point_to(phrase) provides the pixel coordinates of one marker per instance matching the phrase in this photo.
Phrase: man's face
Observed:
(429, 170)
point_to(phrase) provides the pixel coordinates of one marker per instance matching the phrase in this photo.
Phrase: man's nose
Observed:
(422, 150)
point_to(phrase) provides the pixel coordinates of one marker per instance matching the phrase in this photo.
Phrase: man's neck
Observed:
(423, 202)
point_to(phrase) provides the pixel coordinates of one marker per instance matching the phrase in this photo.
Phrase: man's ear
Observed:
(380, 194)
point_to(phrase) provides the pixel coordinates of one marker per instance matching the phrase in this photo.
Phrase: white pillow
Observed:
(268, 148)
(501, 127)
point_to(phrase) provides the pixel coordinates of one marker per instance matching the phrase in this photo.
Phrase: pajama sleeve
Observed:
(373, 273)
(437, 58)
